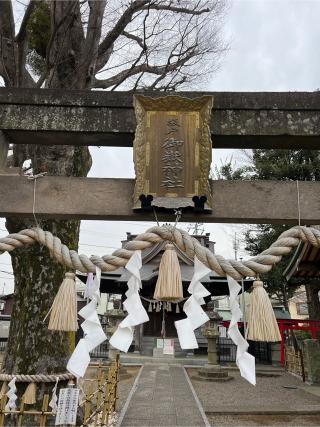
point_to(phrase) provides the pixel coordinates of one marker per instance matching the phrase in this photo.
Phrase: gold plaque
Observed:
(172, 150)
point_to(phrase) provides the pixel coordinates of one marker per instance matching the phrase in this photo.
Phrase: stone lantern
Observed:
(212, 371)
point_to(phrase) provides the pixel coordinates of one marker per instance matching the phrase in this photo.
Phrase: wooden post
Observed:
(99, 393)
(4, 146)
(45, 403)
(117, 371)
(281, 329)
(21, 413)
(2, 409)
(87, 405)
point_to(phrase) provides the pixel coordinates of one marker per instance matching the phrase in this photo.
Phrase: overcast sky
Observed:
(273, 47)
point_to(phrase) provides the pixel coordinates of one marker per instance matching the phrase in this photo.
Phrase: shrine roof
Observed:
(116, 281)
(305, 262)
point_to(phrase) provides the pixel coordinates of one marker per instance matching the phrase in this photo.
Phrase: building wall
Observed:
(293, 309)
(299, 298)
(8, 305)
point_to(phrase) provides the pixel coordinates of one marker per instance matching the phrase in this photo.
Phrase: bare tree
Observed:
(127, 44)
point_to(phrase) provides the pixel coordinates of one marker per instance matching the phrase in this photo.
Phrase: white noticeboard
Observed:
(67, 407)
(222, 331)
(159, 343)
(168, 346)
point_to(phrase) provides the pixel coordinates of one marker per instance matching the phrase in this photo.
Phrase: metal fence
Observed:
(100, 352)
(227, 351)
(261, 351)
(3, 344)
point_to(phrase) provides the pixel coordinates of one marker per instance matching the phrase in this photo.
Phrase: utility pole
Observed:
(235, 246)
(196, 229)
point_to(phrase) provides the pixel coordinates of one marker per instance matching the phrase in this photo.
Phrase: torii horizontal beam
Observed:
(111, 199)
(239, 119)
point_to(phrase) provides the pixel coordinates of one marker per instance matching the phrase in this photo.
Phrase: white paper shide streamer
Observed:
(11, 394)
(93, 332)
(196, 316)
(123, 336)
(54, 398)
(244, 360)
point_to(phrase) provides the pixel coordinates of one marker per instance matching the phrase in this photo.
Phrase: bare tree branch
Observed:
(7, 32)
(91, 44)
(142, 68)
(135, 38)
(136, 6)
(178, 9)
(23, 27)
(24, 77)
(119, 27)
(64, 51)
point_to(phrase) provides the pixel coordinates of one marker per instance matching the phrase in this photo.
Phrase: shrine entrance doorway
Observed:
(161, 324)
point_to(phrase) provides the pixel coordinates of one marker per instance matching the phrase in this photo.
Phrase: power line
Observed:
(98, 246)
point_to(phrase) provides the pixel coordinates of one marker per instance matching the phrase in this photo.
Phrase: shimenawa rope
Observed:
(38, 378)
(119, 258)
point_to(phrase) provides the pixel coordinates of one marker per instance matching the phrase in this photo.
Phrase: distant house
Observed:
(223, 307)
(298, 305)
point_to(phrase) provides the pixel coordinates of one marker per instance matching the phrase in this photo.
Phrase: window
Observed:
(302, 308)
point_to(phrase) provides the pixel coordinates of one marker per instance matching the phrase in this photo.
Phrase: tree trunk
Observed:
(285, 296)
(3, 150)
(31, 347)
(312, 291)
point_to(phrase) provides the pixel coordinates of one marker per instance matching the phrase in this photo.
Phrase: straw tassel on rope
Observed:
(169, 283)
(262, 323)
(29, 396)
(4, 389)
(63, 312)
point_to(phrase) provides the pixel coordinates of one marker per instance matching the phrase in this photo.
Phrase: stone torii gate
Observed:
(239, 120)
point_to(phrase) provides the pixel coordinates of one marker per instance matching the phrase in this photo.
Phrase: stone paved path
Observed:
(163, 397)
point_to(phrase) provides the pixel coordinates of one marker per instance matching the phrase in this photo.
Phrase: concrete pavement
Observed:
(163, 396)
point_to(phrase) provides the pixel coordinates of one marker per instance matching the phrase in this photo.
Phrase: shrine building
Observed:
(161, 315)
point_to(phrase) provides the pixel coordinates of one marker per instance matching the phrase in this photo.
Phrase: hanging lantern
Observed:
(169, 283)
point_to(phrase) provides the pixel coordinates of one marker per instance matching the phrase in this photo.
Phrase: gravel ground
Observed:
(268, 395)
(264, 420)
